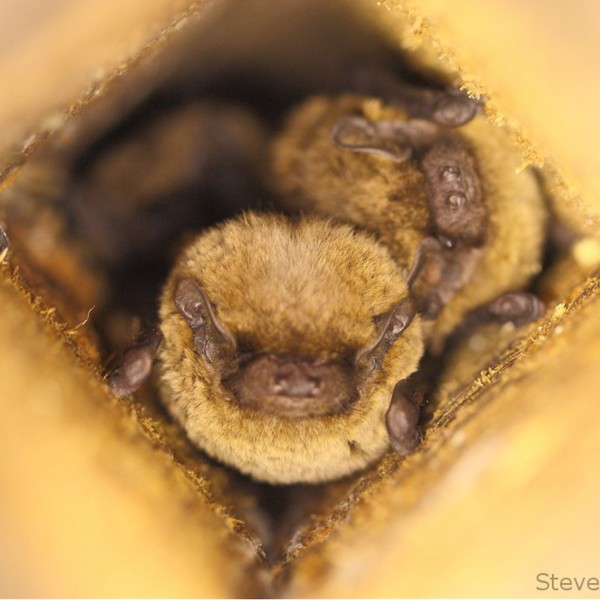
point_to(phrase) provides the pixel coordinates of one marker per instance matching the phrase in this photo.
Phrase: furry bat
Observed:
(289, 344)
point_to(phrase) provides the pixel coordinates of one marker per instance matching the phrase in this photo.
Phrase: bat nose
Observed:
(293, 387)
(295, 380)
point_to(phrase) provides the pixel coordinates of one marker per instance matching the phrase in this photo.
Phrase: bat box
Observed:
(106, 497)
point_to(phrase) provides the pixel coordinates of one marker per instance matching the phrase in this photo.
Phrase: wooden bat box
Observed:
(105, 497)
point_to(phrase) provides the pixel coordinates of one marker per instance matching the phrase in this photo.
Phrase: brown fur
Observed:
(310, 287)
(312, 175)
(389, 198)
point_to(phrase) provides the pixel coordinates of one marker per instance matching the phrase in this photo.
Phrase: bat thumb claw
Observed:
(455, 109)
(133, 370)
(401, 421)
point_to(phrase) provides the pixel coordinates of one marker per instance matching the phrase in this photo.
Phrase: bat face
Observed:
(283, 375)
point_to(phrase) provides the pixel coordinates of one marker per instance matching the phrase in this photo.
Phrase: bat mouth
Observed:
(293, 388)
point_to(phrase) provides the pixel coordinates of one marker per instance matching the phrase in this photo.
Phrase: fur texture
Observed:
(307, 288)
(312, 287)
(388, 199)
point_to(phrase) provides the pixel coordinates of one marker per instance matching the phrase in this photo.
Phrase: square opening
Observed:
(88, 273)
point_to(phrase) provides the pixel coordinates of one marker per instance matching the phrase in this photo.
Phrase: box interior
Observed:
(48, 261)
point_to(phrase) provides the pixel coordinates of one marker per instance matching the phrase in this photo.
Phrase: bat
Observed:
(289, 343)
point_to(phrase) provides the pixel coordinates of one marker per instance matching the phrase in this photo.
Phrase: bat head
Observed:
(289, 324)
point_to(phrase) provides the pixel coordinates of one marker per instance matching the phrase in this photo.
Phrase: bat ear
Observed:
(357, 134)
(196, 309)
(190, 302)
(398, 319)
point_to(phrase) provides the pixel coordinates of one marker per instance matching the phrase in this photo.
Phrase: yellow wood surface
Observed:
(67, 54)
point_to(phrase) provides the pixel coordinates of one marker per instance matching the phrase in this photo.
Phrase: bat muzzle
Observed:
(293, 388)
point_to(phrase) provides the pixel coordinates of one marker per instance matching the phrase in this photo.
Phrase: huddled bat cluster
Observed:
(334, 243)
(288, 343)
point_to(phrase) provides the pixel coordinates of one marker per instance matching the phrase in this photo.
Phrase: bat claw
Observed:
(519, 308)
(131, 373)
(402, 420)
(135, 365)
(454, 108)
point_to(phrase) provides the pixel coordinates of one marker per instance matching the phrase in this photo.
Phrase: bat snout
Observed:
(295, 379)
(292, 387)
